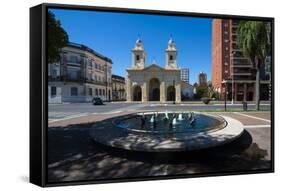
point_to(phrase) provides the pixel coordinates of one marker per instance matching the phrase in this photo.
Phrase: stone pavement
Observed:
(72, 155)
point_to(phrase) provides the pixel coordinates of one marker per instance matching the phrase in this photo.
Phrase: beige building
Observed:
(152, 82)
(80, 75)
(118, 88)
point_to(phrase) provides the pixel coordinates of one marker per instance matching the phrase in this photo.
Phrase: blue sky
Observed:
(114, 35)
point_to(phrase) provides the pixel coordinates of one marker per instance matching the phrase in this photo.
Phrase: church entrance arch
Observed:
(154, 90)
(137, 93)
(171, 93)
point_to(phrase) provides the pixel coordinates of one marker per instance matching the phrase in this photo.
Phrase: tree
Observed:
(57, 38)
(254, 39)
(201, 91)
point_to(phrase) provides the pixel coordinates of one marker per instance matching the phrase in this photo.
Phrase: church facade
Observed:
(153, 82)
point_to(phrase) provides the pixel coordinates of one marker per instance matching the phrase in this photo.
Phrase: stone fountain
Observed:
(166, 131)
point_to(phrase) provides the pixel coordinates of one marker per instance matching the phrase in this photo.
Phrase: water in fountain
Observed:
(174, 121)
(190, 116)
(192, 119)
(166, 115)
(152, 119)
(168, 122)
(180, 117)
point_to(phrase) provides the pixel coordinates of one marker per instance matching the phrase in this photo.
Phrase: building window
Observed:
(138, 58)
(53, 91)
(54, 73)
(97, 92)
(73, 91)
(90, 91)
(171, 57)
(103, 92)
(226, 63)
(73, 59)
(96, 65)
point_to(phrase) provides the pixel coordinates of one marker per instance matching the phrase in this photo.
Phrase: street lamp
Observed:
(232, 76)
(224, 82)
(174, 92)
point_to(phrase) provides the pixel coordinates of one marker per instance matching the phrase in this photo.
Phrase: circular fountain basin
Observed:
(166, 131)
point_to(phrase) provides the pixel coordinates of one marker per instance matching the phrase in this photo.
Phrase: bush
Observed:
(206, 100)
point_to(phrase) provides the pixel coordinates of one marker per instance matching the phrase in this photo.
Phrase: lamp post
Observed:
(232, 76)
(174, 92)
(224, 82)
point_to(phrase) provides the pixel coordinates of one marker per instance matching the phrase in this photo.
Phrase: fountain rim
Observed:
(128, 116)
(105, 133)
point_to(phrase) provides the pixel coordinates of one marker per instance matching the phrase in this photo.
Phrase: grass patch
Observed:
(232, 110)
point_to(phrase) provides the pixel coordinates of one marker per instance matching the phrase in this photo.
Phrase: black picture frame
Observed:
(39, 88)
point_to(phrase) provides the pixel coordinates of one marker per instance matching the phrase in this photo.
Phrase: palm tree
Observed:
(254, 39)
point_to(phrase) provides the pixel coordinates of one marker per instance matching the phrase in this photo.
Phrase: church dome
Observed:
(171, 41)
(138, 41)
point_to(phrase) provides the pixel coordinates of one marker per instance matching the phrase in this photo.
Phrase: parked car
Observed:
(97, 101)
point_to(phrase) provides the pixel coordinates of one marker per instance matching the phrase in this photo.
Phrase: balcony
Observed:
(241, 66)
(71, 79)
(242, 74)
(95, 82)
(55, 78)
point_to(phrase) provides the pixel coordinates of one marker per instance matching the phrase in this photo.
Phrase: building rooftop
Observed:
(85, 48)
(118, 77)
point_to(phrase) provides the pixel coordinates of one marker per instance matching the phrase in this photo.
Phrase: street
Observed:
(60, 112)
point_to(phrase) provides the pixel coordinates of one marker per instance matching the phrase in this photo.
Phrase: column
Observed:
(163, 91)
(144, 92)
(129, 90)
(178, 92)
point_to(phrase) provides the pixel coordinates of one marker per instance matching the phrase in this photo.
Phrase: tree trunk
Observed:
(258, 88)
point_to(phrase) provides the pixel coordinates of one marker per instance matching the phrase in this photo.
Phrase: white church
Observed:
(153, 82)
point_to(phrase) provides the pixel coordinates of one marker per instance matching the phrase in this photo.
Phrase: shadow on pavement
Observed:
(72, 155)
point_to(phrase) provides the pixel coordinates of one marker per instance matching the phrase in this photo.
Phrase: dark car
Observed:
(97, 101)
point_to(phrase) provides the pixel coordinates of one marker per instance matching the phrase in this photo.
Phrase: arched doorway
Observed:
(154, 90)
(171, 93)
(137, 93)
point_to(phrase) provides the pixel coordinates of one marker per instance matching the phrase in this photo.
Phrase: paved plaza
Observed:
(72, 155)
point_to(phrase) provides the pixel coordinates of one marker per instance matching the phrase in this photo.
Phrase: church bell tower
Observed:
(171, 55)
(138, 55)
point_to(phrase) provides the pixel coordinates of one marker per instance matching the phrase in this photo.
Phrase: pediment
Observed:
(153, 67)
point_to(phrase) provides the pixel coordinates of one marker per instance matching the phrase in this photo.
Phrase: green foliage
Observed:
(57, 38)
(215, 95)
(254, 39)
(201, 91)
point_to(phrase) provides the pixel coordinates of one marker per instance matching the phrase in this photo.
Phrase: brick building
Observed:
(231, 71)
(202, 79)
